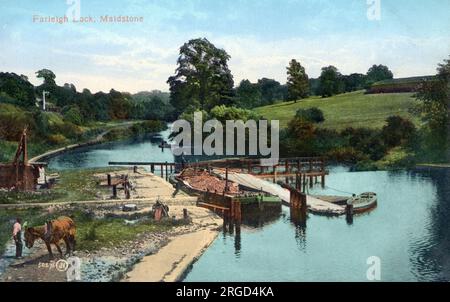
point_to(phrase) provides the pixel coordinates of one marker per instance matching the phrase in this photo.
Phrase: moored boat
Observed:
(363, 202)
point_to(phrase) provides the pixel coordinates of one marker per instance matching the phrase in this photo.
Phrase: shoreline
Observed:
(173, 260)
(99, 139)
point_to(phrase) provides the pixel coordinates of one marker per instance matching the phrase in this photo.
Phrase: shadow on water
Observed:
(431, 255)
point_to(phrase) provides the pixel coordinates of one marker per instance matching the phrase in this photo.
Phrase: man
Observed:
(17, 236)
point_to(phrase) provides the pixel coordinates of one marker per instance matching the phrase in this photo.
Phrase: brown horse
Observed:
(62, 228)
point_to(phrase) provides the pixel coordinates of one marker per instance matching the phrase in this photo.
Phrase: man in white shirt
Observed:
(17, 236)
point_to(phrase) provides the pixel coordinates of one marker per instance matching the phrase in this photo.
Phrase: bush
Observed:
(224, 113)
(398, 131)
(57, 139)
(73, 115)
(12, 122)
(313, 114)
(147, 127)
(346, 154)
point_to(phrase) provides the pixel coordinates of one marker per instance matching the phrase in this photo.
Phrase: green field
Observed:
(354, 109)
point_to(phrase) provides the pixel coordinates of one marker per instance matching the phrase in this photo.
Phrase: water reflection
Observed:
(431, 253)
(298, 218)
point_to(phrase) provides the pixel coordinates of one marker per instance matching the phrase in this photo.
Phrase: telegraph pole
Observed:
(44, 93)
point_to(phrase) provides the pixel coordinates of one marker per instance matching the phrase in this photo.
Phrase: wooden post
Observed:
(108, 177)
(152, 168)
(226, 178)
(162, 171)
(114, 191)
(323, 173)
(237, 210)
(185, 214)
(135, 169)
(304, 182)
(349, 210)
(167, 174)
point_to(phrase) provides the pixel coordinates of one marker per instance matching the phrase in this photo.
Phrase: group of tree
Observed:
(264, 92)
(81, 107)
(331, 81)
(203, 80)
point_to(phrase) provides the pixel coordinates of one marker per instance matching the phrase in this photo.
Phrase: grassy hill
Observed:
(354, 109)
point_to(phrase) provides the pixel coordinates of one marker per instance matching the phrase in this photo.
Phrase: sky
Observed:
(409, 36)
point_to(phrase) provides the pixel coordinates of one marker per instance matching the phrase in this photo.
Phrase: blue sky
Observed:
(411, 37)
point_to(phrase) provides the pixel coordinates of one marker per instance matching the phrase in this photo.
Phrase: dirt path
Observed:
(171, 251)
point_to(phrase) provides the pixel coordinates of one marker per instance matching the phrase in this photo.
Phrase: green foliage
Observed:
(378, 73)
(314, 114)
(330, 82)
(72, 114)
(434, 97)
(398, 131)
(154, 105)
(147, 127)
(271, 91)
(248, 95)
(12, 122)
(57, 139)
(354, 82)
(223, 113)
(202, 78)
(16, 90)
(297, 81)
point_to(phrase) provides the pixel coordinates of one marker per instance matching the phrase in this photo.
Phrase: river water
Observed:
(409, 231)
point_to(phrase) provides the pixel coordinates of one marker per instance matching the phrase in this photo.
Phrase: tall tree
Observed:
(379, 73)
(330, 81)
(202, 79)
(297, 81)
(47, 75)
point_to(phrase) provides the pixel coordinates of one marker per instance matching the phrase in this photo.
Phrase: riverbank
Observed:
(172, 261)
(114, 132)
(110, 242)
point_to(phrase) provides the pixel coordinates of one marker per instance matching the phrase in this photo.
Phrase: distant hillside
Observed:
(399, 85)
(354, 109)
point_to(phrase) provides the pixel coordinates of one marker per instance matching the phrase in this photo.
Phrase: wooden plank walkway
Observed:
(315, 205)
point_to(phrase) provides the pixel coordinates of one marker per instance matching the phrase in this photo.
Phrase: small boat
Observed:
(363, 202)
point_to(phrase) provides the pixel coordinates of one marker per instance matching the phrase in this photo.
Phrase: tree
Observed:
(271, 91)
(202, 78)
(354, 81)
(248, 95)
(48, 76)
(434, 108)
(378, 73)
(330, 82)
(16, 90)
(397, 131)
(297, 81)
